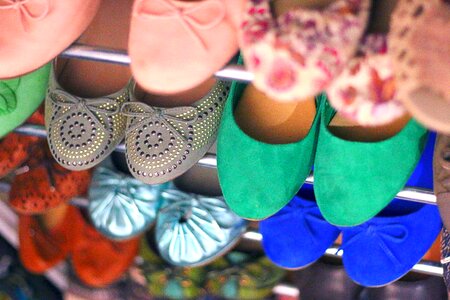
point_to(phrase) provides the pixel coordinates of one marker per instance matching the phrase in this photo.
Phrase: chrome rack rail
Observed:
(80, 51)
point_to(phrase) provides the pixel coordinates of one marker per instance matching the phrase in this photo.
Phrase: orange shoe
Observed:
(41, 248)
(43, 184)
(14, 148)
(35, 31)
(98, 261)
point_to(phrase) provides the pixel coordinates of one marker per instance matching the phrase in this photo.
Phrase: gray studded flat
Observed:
(82, 132)
(163, 143)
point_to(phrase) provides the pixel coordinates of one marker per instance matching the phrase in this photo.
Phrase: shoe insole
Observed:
(282, 6)
(179, 99)
(380, 15)
(109, 29)
(352, 131)
(53, 217)
(274, 122)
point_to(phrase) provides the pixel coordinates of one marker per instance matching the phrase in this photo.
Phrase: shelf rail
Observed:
(80, 51)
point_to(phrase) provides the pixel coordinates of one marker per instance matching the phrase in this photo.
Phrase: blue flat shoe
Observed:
(192, 230)
(385, 248)
(298, 235)
(120, 206)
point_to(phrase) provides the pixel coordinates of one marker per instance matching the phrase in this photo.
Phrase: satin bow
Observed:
(191, 227)
(188, 17)
(121, 206)
(8, 99)
(25, 13)
(163, 115)
(384, 234)
(89, 107)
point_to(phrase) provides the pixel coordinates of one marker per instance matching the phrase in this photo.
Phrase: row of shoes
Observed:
(161, 144)
(376, 59)
(191, 229)
(394, 240)
(87, 117)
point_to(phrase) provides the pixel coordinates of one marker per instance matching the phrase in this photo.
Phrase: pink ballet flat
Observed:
(177, 45)
(33, 32)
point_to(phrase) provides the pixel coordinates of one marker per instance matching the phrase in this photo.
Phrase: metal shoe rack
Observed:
(8, 220)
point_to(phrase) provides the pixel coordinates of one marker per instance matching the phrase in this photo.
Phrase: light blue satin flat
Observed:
(192, 230)
(120, 206)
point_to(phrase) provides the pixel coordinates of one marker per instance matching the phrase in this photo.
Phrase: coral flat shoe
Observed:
(42, 248)
(35, 31)
(98, 261)
(42, 184)
(203, 39)
(21, 96)
(15, 148)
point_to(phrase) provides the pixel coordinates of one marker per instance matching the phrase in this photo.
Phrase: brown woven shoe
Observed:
(441, 176)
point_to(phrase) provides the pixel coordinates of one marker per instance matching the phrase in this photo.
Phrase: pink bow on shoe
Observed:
(196, 17)
(25, 10)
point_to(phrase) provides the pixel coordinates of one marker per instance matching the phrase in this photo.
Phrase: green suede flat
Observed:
(353, 181)
(258, 179)
(20, 97)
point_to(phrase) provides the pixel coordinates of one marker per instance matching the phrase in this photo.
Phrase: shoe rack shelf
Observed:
(8, 219)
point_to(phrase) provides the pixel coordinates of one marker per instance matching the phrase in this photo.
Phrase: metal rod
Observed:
(86, 52)
(80, 51)
(423, 267)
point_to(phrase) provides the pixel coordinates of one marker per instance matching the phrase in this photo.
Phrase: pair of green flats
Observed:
(20, 97)
(353, 180)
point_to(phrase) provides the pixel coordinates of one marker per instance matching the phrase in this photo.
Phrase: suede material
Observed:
(385, 248)
(27, 92)
(356, 180)
(422, 177)
(257, 178)
(311, 234)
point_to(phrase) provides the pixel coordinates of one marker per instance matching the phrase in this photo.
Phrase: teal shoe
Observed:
(20, 97)
(120, 206)
(257, 178)
(354, 181)
(193, 230)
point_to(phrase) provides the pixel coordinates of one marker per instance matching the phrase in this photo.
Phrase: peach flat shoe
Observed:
(177, 45)
(35, 31)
